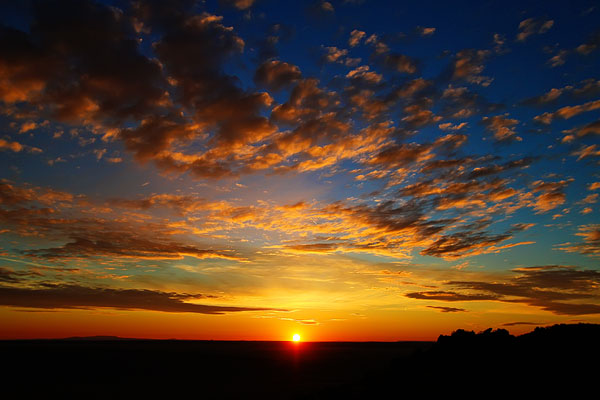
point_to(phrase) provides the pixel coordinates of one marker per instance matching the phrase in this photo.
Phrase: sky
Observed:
(345, 170)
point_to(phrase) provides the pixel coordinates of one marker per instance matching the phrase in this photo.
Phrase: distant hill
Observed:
(97, 338)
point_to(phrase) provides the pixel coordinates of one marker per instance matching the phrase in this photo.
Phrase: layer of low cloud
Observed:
(59, 296)
(561, 290)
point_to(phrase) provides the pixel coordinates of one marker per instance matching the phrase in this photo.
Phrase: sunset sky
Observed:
(345, 170)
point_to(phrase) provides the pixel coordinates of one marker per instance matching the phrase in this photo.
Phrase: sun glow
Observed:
(296, 337)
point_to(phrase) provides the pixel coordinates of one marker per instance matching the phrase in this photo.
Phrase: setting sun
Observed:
(296, 337)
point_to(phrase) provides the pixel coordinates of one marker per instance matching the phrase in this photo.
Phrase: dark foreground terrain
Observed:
(562, 359)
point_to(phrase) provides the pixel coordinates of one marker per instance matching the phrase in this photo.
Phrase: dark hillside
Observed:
(557, 360)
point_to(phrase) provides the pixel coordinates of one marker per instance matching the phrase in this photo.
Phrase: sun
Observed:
(296, 337)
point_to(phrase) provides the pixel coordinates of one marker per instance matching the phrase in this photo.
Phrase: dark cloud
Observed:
(406, 221)
(400, 63)
(518, 323)
(80, 297)
(129, 245)
(448, 309)
(180, 109)
(277, 74)
(558, 289)
(181, 204)
(458, 244)
(470, 239)
(558, 277)
(11, 195)
(468, 64)
(449, 296)
(315, 247)
(193, 52)
(401, 155)
(493, 169)
(152, 139)
(418, 116)
(460, 102)
(80, 62)
(8, 275)
(585, 89)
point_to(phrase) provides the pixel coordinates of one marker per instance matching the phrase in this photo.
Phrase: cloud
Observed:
(551, 194)
(196, 118)
(533, 26)
(64, 218)
(14, 195)
(327, 6)
(468, 65)
(193, 52)
(400, 63)
(587, 151)
(448, 126)
(355, 37)
(448, 309)
(458, 102)
(549, 97)
(558, 59)
(590, 46)
(402, 155)
(397, 228)
(18, 147)
(591, 241)
(518, 323)
(589, 199)
(567, 112)
(108, 92)
(584, 89)
(502, 127)
(86, 34)
(64, 296)
(8, 275)
(500, 43)
(181, 204)
(277, 74)
(119, 245)
(426, 31)
(468, 241)
(364, 74)
(449, 296)
(333, 54)
(239, 4)
(591, 128)
(561, 290)
(27, 126)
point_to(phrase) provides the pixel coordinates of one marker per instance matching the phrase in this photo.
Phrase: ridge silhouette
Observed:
(556, 360)
(549, 360)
